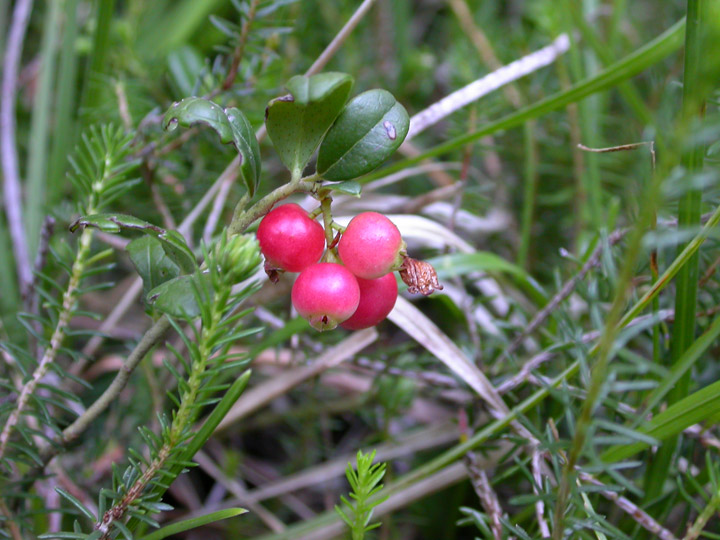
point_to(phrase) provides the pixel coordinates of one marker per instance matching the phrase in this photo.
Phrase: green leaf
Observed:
(367, 132)
(76, 503)
(693, 409)
(173, 242)
(248, 148)
(114, 223)
(232, 126)
(682, 366)
(350, 187)
(178, 297)
(193, 523)
(151, 262)
(195, 110)
(297, 122)
(177, 249)
(185, 64)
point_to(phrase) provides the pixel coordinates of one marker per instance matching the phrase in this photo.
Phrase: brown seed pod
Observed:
(419, 276)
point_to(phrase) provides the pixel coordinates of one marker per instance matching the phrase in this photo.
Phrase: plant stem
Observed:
(156, 332)
(69, 298)
(91, 90)
(73, 431)
(65, 105)
(240, 49)
(530, 190)
(689, 208)
(697, 527)
(36, 167)
(263, 206)
(185, 415)
(613, 324)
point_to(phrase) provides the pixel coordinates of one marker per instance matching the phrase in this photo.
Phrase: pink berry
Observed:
(370, 246)
(289, 239)
(377, 298)
(326, 294)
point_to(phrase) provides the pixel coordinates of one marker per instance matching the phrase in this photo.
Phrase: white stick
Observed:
(489, 83)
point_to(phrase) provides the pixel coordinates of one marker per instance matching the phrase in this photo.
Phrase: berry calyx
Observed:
(371, 246)
(326, 294)
(289, 239)
(377, 298)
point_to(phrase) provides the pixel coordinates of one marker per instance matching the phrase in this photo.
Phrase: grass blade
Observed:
(193, 523)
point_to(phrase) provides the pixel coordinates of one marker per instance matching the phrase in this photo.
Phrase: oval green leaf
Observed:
(367, 132)
(297, 121)
(247, 146)
(151, 262)
(232, 126)
(178, 297)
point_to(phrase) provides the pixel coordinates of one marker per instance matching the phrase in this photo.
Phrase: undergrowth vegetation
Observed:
(553, 170)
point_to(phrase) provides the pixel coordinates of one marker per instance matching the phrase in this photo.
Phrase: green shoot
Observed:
(365, 484)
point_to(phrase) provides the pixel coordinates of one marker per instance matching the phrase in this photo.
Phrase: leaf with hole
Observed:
(232, 126)
(297, 122)
(367, 132)
(172, 242)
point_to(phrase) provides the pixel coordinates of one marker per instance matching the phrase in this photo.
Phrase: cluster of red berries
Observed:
(360, 292)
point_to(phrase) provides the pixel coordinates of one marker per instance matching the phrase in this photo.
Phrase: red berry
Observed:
(289, 239)
(370, 246)
(326, 294)
(377, 298)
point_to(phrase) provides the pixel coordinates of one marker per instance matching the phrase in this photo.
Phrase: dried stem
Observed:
(539, 504)
(73, 431)
(46, 232)
(240, 49)
(626, 505)
(10, 521)
(340, 38)
(488, 498)
(117, 511)
(12, 194)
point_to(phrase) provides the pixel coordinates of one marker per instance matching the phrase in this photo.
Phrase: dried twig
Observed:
(12, 194)
(10, 521)
(340, 38)
(634, 511)
(539, 504)
(490, 82)
(488, 498)
(46, 232)
(239, 491)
